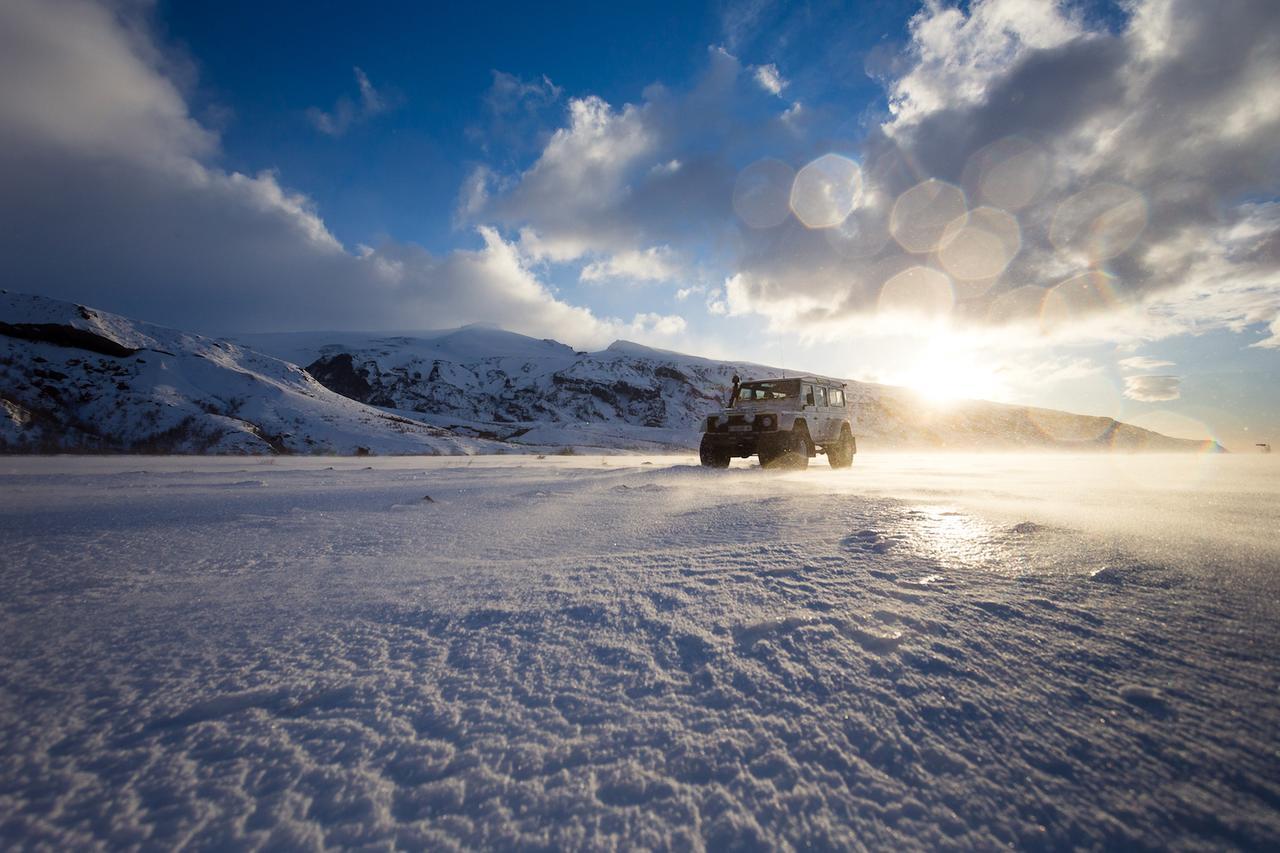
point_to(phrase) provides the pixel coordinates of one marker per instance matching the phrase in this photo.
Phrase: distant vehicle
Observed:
(783, 421)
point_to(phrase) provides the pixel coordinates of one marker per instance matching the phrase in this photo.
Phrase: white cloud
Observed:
(648, 324)
(1273, 340)
(657, 263)
(1123, 158)
(717, 303)
(958, 57)
(1153, 388)
(616, 179)
(346, 113)
(770, 79)
(98, 152)
(1142, 362)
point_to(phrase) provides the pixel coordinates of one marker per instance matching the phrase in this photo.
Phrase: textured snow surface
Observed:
(926, 651)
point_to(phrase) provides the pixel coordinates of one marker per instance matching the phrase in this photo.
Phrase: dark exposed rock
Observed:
(65, 336)
(338, 373)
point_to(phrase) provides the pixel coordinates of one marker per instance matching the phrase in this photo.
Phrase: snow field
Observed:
(923, 652)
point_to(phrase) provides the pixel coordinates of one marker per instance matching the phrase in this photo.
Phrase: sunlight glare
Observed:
(948, 370)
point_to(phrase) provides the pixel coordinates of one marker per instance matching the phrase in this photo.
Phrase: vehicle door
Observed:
(807, 400)
(839, 410)
(822, 414)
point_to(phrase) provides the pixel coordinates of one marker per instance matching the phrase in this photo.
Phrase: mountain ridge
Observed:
(74, 378)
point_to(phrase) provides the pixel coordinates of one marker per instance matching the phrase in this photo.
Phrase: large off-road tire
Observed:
(712, 456)
(840, 453)
(792, 455)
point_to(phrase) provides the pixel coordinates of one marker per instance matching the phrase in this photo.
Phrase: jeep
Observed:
(784, 421)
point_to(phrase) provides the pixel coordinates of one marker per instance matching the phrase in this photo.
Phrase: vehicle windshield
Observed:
(750, 392)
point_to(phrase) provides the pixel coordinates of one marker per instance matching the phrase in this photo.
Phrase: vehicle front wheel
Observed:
(712, 456)
(793, 455)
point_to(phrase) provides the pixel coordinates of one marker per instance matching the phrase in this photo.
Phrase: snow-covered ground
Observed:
(925, 651)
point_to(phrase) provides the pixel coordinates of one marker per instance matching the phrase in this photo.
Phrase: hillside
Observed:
(74, 378)
(78, 379)
(501, 385)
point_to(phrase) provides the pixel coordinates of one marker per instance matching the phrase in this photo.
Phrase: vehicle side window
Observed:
(837, 396)
(821, 395)
(808, 395)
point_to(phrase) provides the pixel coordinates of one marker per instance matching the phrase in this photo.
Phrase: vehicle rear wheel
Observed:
(712, 456)
(840, 454)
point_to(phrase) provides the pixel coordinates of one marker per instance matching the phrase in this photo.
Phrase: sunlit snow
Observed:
(923, 651)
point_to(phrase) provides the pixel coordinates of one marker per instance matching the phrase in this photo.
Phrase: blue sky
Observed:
(1067, 204)
(261, 67)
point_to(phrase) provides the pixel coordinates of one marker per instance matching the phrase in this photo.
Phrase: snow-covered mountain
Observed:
(74, 378)
(492, 383)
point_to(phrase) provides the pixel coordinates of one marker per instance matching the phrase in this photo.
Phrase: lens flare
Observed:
(980, 245)
(826, 191)
(922, 214)
(1009, 173)
(762, 193)
(1081, 295)
(864, 232)
(918, 290)
(1017, 305)
(1100, 223)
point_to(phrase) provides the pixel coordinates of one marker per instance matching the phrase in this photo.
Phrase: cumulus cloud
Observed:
(1142, 362)
(656, 263)
(346, 112)
(647, 324)
(1079, 183)
(109, 196)
(658, 172)
(1153, 388)
(959, 56)
(1101, 176)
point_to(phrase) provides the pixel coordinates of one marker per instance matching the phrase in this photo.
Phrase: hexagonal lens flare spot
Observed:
(826, 191)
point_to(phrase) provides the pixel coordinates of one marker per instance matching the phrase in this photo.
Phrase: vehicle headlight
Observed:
(766, 422)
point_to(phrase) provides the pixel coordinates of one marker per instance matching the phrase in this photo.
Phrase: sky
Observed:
(1065, 204)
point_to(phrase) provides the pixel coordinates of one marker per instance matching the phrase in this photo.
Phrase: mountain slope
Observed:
(77, 379)
(73, 378)
(524, 390)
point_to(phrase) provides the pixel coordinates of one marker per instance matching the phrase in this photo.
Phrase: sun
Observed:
(945, 372)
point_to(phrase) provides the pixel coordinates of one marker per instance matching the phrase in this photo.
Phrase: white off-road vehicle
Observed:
(785, 421)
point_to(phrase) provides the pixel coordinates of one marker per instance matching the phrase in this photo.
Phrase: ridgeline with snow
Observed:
(78, 379)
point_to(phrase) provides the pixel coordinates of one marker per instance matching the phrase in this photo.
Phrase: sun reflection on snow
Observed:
(949, 536)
